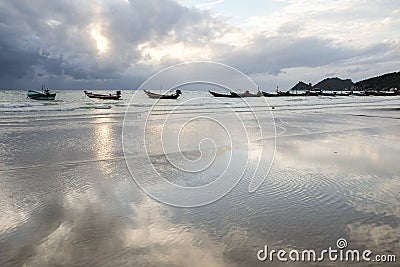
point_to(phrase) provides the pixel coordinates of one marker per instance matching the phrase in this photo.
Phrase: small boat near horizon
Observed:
(335, 93)
(115, 96)
(248, 94)
(230, 95)
(313, 93)
(381, 93)
(266, 94)
(343, 93)
(287, 93)
(163, 96)
(282, 94)
(44, 95)
(236, 95)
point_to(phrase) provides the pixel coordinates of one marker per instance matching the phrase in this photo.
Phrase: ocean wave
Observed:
(38, 109)
(95, 107)
(18, 105)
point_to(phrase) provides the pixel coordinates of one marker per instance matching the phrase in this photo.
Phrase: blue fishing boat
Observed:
(43, 95)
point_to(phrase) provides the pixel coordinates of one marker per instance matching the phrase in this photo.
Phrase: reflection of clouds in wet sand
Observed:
(53, 249)
(11, 219)
(361, 168)
(14, 209)
(378, 238)
(382, 200)
(352, 153)
(80, 234)
(168, 243)
(94, 233)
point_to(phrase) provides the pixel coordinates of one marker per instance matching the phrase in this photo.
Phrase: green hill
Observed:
(301, 86)
(383, 82)
(334, 84)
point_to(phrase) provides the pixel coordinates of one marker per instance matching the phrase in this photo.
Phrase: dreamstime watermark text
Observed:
(339, 253)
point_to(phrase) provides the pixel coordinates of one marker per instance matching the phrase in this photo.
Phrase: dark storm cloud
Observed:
(45, 41)
(272, 55)
(53, 39)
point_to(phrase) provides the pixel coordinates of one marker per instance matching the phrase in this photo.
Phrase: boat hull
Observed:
(231, 95)
(41, 96)
(235, 95)
(269, 94)
(248, 94)
(158, 96)
(281, 94)
(103, 96)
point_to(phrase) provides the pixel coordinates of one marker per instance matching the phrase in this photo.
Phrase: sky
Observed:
(78, 44)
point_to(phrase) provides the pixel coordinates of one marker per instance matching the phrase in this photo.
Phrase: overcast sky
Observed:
(120, 43)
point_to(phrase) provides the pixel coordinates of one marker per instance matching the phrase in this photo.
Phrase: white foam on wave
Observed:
(18, 105)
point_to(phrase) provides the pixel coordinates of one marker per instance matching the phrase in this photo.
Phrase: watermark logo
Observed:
(341, 243)
(340, 253)
(194, 150)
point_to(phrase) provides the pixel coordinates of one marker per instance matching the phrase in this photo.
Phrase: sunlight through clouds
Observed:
(155, 54)
(101, 41)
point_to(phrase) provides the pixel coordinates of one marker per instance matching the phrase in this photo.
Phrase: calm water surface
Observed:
(68, 198)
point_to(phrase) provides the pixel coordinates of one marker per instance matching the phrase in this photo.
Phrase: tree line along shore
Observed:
(385, 82)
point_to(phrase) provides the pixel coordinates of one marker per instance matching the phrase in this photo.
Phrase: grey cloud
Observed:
(272, 55)
(43, 41)
(34, 49)
(290, 27)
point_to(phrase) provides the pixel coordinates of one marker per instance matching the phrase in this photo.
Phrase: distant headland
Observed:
(379, 83)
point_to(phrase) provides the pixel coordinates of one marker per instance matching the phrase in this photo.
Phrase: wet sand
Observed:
(68, 198)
